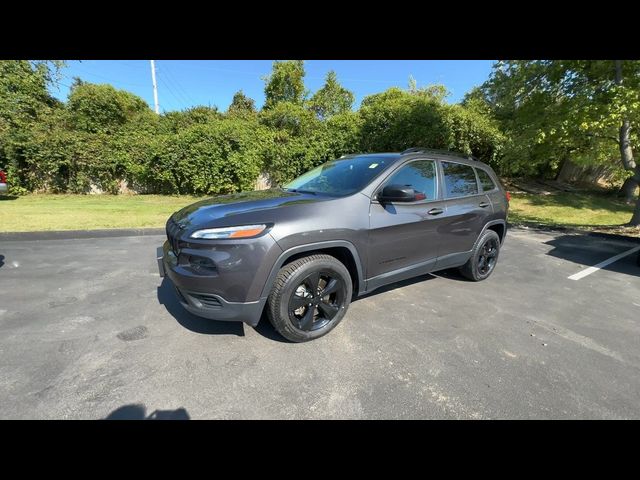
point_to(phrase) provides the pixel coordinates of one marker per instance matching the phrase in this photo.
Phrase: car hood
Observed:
(216, 211)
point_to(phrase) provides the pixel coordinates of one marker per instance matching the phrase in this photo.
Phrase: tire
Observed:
(477, 268)
(288, 303)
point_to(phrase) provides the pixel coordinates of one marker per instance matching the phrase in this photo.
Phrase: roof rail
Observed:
(438, 151)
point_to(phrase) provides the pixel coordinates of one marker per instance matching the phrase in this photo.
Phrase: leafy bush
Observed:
(396, 119)
(102, 108)
(60, 160)
(103, 137)
(219, 157)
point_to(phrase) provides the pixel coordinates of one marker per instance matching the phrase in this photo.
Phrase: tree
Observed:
(397, 119)
(332, 98)
(24, 102)
(23, 90)
(100, 108)
(413, 84)
(176, 121)
(475, 100)
(241, 104)
(285, 83)
(587, 110)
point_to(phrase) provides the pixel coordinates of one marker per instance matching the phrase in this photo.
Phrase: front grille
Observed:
(208, 301)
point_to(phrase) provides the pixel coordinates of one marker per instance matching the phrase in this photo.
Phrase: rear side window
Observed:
(420, 175)
(459, 180)
(485, 180)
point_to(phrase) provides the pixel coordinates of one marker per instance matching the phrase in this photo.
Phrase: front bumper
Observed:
(3, 188)
(205, 304)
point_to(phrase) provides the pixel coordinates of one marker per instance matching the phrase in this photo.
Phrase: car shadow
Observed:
(1, 260)
(167, 297)
(267, 330)
(588, 250)
(139, 412)
(7, 197)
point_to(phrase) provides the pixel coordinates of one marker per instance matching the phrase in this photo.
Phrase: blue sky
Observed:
(185, 83)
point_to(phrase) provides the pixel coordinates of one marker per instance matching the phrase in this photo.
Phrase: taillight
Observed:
(508, 197)
(3, 177)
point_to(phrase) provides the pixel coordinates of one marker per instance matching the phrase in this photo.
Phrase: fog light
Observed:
(202, 264)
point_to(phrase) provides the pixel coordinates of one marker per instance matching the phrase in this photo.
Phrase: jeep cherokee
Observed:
(348, 226)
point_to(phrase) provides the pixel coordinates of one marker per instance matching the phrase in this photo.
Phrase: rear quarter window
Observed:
(485, 180)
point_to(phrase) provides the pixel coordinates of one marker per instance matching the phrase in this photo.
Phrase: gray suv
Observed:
(346, 227)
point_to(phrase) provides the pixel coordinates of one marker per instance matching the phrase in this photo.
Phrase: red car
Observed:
(3, 182)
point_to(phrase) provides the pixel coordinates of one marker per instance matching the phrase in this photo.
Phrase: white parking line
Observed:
(608, 261)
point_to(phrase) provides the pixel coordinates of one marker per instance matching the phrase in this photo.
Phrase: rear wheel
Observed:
(483, 257)
(310, 297)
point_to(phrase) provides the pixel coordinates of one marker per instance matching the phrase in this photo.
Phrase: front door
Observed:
(403, 237)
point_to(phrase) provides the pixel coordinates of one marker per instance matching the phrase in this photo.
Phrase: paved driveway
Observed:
(88, 330)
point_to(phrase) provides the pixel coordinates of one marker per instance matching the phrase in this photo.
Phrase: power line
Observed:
(170, 90)
(174, 81)
(129, 65)
(111, 81)
(58, 83)
(171, 85)
(216, 69)
(255, 74)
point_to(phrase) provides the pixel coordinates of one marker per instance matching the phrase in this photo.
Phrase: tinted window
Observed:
(485, 180)
(343, 176)
(420, 175)
(459, 180)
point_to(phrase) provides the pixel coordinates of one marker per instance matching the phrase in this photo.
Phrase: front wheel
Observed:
(483, 257)
(310, 297)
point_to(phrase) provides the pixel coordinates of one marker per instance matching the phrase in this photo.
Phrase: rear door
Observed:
(467, 211)
(405, 235)
(490, 187)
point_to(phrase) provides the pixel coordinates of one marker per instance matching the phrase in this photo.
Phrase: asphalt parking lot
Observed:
(88, 330)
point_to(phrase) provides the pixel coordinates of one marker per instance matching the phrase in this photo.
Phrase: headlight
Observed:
(244, 231)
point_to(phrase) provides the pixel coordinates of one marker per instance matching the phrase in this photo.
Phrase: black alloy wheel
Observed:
(317, 300)
(484, 257)
(310, 297)
(488, 256)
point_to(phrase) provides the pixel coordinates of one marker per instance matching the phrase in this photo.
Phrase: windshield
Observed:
(341, 177)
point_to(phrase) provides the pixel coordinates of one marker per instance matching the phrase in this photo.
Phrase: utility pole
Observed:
(155, 86)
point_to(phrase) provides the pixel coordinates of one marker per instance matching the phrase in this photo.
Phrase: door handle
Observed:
(435, 211)
(483, 204)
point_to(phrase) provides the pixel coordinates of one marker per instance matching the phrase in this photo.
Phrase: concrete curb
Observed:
(558, 229)
(73, 234)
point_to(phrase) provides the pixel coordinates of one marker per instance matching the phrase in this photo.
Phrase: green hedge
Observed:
(203, 151)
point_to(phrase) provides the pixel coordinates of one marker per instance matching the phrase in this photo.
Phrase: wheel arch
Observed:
(343, 250)
(498, 226)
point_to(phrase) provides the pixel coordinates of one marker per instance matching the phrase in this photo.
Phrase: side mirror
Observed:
(397, 193)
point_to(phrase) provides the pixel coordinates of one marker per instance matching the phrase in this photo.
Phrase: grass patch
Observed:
(83, 212)
(569, 209)
(80, 212)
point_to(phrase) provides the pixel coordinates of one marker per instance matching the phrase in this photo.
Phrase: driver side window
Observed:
(420, 175)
